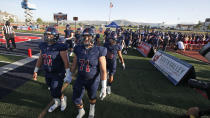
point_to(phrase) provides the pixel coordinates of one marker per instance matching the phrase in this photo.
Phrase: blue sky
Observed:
(150, 11)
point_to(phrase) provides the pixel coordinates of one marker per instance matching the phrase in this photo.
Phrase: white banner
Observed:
(170, 66)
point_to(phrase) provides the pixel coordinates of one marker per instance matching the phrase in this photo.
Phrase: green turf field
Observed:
(9, 59)
(138, 92)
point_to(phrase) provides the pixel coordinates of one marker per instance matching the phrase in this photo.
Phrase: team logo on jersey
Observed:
(84, 65)
(47, 59)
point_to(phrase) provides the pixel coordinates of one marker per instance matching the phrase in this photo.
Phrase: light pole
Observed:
(75, 19)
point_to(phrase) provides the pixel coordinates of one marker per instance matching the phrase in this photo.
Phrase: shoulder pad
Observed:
(42, 45)
(61, 46)
(102, 51)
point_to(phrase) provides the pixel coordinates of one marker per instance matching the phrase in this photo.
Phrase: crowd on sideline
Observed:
(162, 40)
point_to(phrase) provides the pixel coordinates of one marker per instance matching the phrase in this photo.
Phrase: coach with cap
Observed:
(9, 34)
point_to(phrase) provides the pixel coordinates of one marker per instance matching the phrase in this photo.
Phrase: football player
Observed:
(67, 31)
(127, 34)
(78, 36)
(113, 49)
(53, 57)
(71, 43)
(91, 63)
(106, 35)
(120, 40)
(97, 40)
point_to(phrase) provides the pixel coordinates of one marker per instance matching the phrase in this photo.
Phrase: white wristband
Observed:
(103, 83)
(36, 69)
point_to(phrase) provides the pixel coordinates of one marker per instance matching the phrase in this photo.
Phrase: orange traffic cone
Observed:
(29, 52)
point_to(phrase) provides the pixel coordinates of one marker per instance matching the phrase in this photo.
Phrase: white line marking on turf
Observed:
(12, 66)
(13, 54)
(38, 38)
(29, 33)
(5, 62)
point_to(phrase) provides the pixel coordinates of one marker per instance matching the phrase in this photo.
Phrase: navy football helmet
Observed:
(97, 36)
(51, 31)
(88, 32)
(68, 26)
(113, 36)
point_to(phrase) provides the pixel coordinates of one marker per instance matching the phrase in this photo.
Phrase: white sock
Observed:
(108, 89)
(92, 110)
(63, 103)
(81, 113)
(55, 105)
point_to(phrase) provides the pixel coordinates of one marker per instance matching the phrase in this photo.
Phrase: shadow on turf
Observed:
(11, 116)
(194, 62)
(25, 99)
(133, 52)
(110, 109)
(203, 74)
(16, 78)
(143, 84)
(29, 100)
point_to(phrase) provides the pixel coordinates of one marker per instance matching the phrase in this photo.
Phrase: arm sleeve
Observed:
(63, 47)
(41, 45)
(102, 51)
(119, 48)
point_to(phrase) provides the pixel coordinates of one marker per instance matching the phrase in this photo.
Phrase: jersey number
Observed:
(47, 59)
(84, 63)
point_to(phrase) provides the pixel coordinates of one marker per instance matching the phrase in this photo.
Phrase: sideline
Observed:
(14, 65)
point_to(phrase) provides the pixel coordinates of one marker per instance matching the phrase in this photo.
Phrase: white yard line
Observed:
(4, 62)
(13, 54)
(29, 33)
(12, 66)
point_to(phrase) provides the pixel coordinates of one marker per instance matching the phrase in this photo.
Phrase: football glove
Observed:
(123, 66)
(68, 77)
(103, 89)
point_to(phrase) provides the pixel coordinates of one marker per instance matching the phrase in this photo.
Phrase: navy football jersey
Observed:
(67, 33)
(70, 43)
(120, 40)
(112, 51)
(52, 61)
(87, 61)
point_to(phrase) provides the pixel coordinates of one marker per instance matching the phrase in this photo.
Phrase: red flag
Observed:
(111, 5)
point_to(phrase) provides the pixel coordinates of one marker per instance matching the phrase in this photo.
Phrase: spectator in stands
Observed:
(180, 45)
(165, 41)
(9, 34)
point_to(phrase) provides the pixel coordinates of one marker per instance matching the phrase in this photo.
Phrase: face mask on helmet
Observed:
(87, 40)
(113, 37)
(51, 35)
(113, 41)
(88, 37)
(68, 27)
(49, 38)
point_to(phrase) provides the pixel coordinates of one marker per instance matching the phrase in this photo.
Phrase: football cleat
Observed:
(63, 103)
(56, 105)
